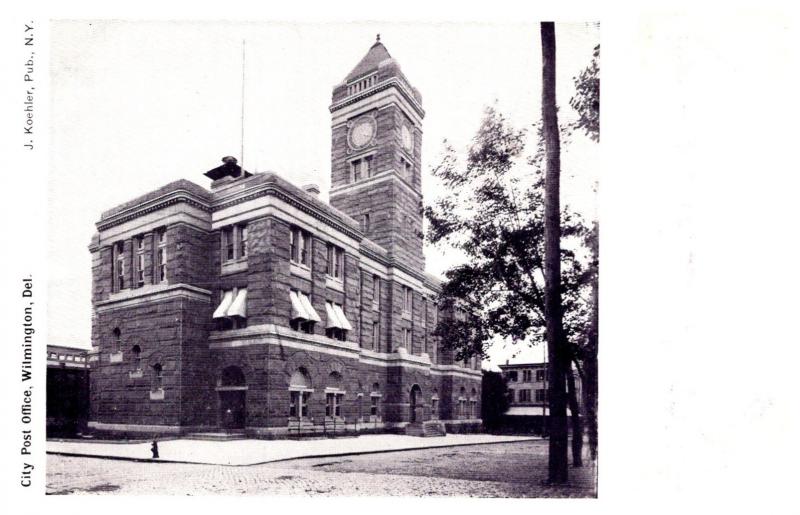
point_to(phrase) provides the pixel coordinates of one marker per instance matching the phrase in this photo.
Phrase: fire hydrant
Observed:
(154, 449)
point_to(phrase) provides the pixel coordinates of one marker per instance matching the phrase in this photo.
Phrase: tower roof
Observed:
(376, 54)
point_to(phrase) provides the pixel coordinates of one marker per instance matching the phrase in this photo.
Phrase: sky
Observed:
(137, 104)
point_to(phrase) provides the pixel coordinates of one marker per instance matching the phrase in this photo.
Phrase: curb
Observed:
(311, 456)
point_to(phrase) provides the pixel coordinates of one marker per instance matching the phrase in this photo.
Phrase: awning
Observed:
(239, 305)
(222, 309)
(344, 324)
(333, 318)
(298, 310)
(530, 411)
(310, 311)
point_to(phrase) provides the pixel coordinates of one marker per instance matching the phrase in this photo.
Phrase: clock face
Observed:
(362, 132)
(406, 135)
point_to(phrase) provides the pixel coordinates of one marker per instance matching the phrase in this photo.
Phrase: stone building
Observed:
(255, 306)
(67, 407)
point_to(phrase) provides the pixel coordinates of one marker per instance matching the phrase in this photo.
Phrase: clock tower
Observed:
(376, 155)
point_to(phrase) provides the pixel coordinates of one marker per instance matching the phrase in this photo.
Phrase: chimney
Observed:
(311, 189)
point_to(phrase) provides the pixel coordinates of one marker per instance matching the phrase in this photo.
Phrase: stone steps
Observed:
(217, 437)
(426, 429)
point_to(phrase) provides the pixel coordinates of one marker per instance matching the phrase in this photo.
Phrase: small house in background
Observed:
(67, 408)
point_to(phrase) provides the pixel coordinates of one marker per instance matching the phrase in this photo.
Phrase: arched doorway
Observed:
(416, 404)
(232, 390)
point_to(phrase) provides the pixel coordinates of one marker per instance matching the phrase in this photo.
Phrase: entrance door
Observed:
(416, 408)
(232, 389)
(232, 412)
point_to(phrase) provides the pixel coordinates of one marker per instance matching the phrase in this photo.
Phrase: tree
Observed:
(494, 399)
(493, 214)
(586, 102)
(558, 362)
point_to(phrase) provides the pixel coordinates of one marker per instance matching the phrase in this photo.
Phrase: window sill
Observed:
(300, 270)
(406, 315)
(233, 266)
(115, 357)
(135, 374)
(334, 283)
(157, 395)
(376, 307)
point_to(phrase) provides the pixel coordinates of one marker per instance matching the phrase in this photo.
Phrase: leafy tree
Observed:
(586, 100)
(493, 213)
(494, 399)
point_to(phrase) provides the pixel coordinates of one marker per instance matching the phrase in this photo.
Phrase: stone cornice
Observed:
(276, 190)
(174, 197)
(393, 82)
(151, 293)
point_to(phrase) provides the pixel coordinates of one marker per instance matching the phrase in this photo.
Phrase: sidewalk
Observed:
(252, 452)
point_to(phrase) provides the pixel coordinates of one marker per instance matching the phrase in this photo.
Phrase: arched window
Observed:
(334, 395)
(462, 403)
(375, 403)
(157, 377)
(299, 394)
(137, 358)
(116, 340)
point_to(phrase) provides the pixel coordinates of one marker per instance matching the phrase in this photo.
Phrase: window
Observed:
(375, 401)
(365, 223)
(303, 314)
(434, 408)
(376, 335)
(526, 376)
(376, 293)
(407, 338)
(139, 244)
(361, 169)
(512, 376)
(333, 404)
(137, 357)
(406, 168)
(116, 340)
(119, 252)
(227, 244)
(161, 256)
(299, 394)
(362, 84)
(408, 300)
(157, 377)
(334, 262)
(337, 323)
(473, 404)
(541, 395)
(524, 395)
(300, 246)
(234, 242)
(231, 313)
(541, 375)
(298, 403)
(242, 241)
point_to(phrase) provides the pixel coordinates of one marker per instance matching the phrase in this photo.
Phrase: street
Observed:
(497, 470)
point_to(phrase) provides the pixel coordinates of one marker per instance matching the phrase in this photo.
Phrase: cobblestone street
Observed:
(499, 470)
